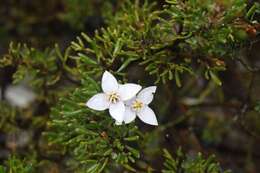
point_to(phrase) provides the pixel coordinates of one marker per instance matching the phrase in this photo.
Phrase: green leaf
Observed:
(132, 138)
(87, 59)
(126, 63)
(177, 78)
(215, 78)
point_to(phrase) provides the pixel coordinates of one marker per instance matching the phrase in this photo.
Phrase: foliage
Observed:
(76, 11)
(257, 107)
(147, 37)
(93, 139)
(145, 42)
(44, 70)
(14, 164)
(7, 119)
(190, 164)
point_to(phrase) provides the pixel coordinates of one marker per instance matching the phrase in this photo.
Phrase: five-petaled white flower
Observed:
(113, 97)
(139, 106)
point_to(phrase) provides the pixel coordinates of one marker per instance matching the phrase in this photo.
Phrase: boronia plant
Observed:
(161, 86)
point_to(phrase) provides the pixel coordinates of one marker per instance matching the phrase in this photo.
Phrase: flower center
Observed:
(113, 97)
(137, 105)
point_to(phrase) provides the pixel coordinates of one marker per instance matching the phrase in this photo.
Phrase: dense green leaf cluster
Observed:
(182, 37)
(7, 118)
(45, 71)
(190, 164)
(91, 138)
(14, 164)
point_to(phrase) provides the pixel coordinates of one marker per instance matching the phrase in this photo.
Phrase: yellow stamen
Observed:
(113, 97)
(137, 105)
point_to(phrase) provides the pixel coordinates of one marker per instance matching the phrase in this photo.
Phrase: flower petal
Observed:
(109, 82)
(117, 111)
(129, 115)
(146, 95)
(128, 91)
(98, 102)
(147, 115)
(130, 101)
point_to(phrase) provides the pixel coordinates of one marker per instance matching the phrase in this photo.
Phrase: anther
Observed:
(137, 105)
(113, 97)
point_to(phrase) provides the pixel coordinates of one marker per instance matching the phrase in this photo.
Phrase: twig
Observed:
(245, 107)
(248, 67)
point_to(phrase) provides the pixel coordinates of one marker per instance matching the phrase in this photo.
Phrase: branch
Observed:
(248, 67)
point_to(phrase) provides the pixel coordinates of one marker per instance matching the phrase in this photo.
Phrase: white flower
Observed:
(138, 106)
(113, 96)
